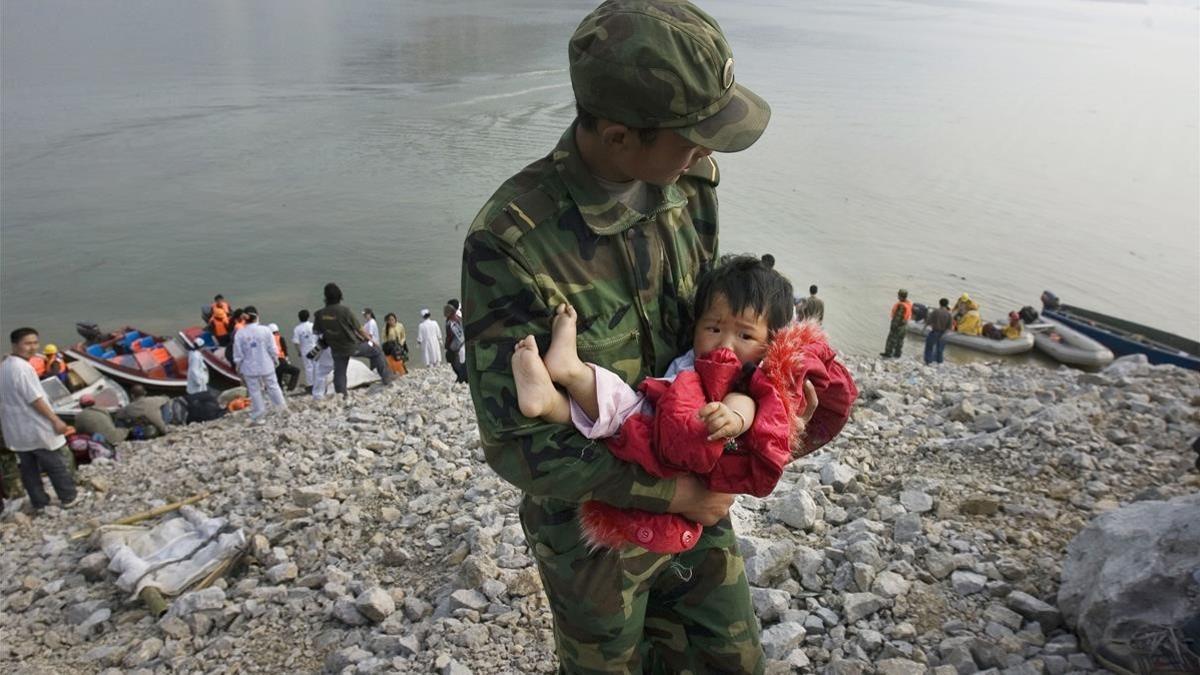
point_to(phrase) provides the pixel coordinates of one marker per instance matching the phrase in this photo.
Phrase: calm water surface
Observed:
(157, 152)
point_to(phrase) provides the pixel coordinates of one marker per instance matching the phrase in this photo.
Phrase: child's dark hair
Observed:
(747, 283)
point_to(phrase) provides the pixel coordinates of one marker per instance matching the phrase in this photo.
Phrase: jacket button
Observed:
(686, 538)
(644, 535)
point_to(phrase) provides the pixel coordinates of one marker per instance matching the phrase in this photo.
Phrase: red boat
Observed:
(133, 357)
(214, 354)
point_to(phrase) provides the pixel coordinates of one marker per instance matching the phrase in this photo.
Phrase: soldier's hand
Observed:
(694, 501)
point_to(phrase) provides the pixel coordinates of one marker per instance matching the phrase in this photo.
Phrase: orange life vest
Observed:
(907, 305)
(279, 346)
(39, 364)
(57, 365)
(219, 319)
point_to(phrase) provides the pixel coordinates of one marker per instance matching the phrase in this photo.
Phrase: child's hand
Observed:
(721, 421)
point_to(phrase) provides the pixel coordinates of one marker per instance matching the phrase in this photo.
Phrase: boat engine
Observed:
(89, 331)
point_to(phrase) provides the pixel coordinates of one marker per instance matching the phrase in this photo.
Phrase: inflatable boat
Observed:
(1067, 345)
(130, 357)
(1005, 347)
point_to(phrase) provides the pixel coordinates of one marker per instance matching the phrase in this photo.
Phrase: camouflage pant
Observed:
(11, 475)
(10, 471)
(622, 611)
(895, 341)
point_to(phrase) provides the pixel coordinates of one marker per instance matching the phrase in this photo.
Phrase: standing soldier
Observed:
(901, 315)
(618, 221)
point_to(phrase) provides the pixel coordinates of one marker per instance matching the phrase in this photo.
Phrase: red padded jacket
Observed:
(672, 441)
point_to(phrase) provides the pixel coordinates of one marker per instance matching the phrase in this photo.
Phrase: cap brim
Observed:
(735, 127)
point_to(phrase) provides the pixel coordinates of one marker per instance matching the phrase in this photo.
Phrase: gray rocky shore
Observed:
(928, 537)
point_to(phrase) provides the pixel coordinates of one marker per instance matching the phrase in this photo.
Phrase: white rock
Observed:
(375, 603)
(967, 583)
(779, 640)
(857, 606)
(889, 584)
(795, 509)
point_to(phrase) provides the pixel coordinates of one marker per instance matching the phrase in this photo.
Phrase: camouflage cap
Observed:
(664, 64)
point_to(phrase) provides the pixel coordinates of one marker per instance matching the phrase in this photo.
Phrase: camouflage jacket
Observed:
(550, 235)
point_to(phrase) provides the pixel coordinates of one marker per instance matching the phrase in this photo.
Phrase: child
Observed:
(710, 397)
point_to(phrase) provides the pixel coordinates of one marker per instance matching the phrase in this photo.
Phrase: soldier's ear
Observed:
(615, 136)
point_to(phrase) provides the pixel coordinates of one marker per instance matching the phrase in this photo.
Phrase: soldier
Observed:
(618, 221)
(900, 315)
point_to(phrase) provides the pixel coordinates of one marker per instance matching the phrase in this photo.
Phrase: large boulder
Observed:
(1135, 563)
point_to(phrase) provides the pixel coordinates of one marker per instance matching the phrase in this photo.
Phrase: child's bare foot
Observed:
(535, 391)
(562, 358)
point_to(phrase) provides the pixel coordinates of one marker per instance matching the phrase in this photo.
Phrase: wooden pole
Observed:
(220, 571)
(146, 515)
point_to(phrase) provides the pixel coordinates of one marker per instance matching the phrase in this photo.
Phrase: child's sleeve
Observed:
(836, 393)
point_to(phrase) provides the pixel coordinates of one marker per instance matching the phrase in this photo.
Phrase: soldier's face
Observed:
(746, 333)
(661, 162)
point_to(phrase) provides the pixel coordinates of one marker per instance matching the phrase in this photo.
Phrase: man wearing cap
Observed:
(255, 354)
(618, 220)
(92, 421)
(429, 339)
(197, 373)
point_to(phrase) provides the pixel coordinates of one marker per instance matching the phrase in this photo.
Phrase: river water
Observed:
(156, 152)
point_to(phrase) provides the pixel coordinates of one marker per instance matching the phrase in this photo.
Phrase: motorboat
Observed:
(83, 380)
(131, 356)
(1124, 337)
(213, 353)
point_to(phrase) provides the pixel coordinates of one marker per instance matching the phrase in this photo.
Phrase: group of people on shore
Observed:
(963, 318)
(326, 340)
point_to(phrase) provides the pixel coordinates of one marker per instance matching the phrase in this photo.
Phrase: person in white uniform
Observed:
(429, 337)
(371, 327)
(322, 371)
(305, 339)
(197, 380)
(31, 429)
(255, 355)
